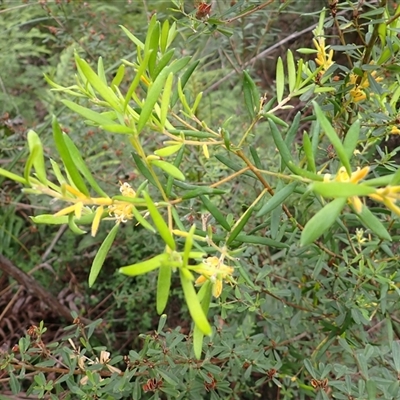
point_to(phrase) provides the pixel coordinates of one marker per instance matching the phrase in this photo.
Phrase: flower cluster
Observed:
(357, 93)
(323, 59)
(355, 177)
(214, 269)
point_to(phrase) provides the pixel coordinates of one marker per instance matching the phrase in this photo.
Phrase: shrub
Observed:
(289, 253)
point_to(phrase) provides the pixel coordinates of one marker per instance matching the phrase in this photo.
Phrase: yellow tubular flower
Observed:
(214, 269)
(323, 59)
(395, 130)
(355, 177)
(388, 195)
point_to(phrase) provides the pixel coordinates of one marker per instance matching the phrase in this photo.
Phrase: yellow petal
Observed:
(217, 288)
(206, 152)
(96, 220)
(357, 203)
(359, 174)
(65, 211)
(200, 280)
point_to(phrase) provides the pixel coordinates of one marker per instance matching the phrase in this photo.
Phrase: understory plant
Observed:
(280, 232)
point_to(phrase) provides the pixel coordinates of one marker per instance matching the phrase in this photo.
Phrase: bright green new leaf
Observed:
(166, 96)
(102, 254)
(13, 176)
(169, 168)
(280, 80)
(133, 38)
(105, 92)
(38, 160)
(204, 295)
(322, 221)
(372, 222)
(164, 36)
(238, 227)
(155, 90)
(188, 246)
(100, 70)
(341, 189)
(308, 151)
(277, 199)
(194, 306)
(117, 128)
(88, 114)
(65, 155)
(143, 169)
(144, 266)
(183, 80)
(50, 219)
(251, 94)
(169, 150)
(333, 137)
(118, 76)
(81, 165)
(142, 221)
(73, 226)
(163, 286)
(33, 155)
(159, 222)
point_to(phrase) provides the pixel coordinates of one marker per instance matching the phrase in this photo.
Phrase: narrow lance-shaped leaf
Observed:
(163, 285)
(184, 79)
(106, 93)
(251, 95)
(205, 294)
(215, 213)
(333, 137)
(373, 223)
(277, 199)
(194, 306)
(341, 189)
(164, 36)
(67, 159)
(177, 163)
(291, 71)
(165, 99)
(38, 160)
(102, 254)
(81, 165)
(322, 221)
(280, 80)
(351, 138)
(145, 266)
(118, 76)
(169, 168)
(143, 169)
(88, 114)
(308, 151)
(159, 222)
(238, 227)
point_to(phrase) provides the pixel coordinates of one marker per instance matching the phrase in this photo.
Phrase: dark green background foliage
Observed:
(304, 317)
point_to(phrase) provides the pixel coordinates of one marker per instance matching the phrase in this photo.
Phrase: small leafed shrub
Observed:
(279, 233)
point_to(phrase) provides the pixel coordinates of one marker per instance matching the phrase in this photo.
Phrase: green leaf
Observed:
(373, 223)
(73, 226)
(50, 219)
(102, 254)
(308, 151)
(277, 199)
(188, 246)
(142, 221)
(322, 221)
(341, 189)
(215, 213)
(105, 92)
(133, 38)
(118, 76)
(143, 169)
(38, 160)
(88, 114)
(81, 165)
(333, 137)
(194, 306)
(204, 295)
(396, 355)
(12, 176)
(155, 90)
(163, 286)
(166, 96)
(145, 266)
(65, 155)
(251, 95)
(34, 153)
(169, 168)
(169, 150)
(291, 71)
(159, 222)
(351, 138)
(283, 149)
(280, 80)
(238, 227)
(164, 36)
(183, 80)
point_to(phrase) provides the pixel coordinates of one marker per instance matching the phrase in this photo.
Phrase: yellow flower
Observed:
(214, 269)
(355, 177)
(388, 195)
(395, 130)
(122, 210)
(323, 59)
(357, 93)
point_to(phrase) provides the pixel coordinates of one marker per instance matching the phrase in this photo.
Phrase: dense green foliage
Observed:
(254, 208)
